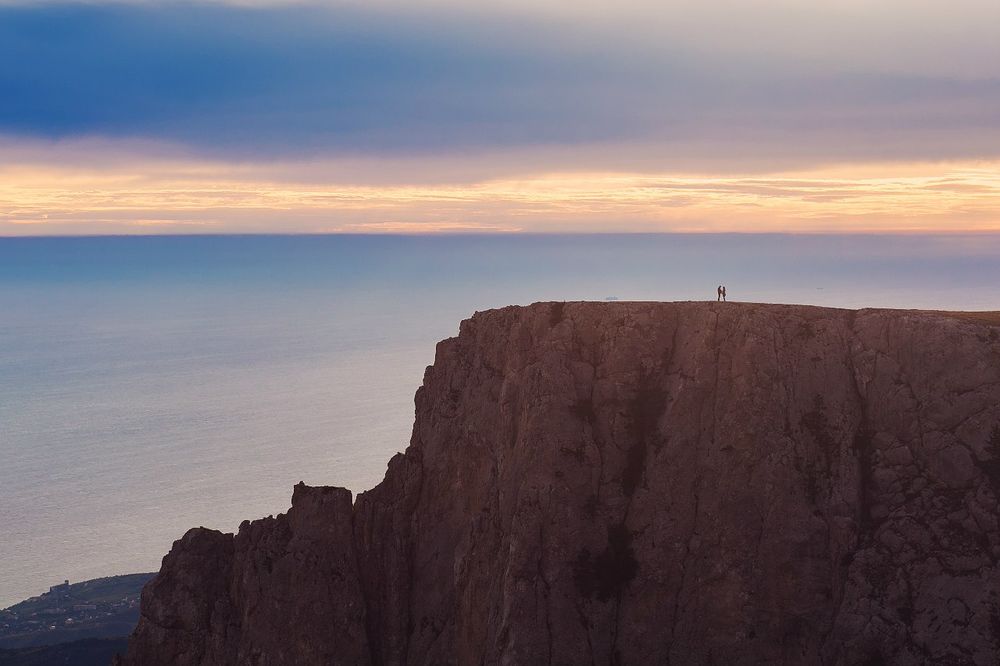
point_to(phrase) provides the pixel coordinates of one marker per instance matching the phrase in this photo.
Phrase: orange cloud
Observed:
(189, 197)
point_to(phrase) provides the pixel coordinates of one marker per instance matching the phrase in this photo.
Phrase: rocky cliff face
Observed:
(636, 483)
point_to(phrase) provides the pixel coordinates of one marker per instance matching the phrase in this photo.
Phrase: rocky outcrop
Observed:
(283, 590)
(635, 483)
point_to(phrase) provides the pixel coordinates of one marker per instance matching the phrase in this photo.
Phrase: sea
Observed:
(153, 384)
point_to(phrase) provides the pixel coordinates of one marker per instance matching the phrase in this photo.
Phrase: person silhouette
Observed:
(718, 293)
(723, 292)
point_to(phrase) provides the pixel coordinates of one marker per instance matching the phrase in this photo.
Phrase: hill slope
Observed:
(84, 652)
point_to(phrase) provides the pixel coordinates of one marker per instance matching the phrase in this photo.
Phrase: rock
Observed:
(632, 483)
(284, 590)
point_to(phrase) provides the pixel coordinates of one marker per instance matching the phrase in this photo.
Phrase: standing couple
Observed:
(721, 293)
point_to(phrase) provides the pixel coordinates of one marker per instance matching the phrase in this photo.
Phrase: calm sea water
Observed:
(148, 385)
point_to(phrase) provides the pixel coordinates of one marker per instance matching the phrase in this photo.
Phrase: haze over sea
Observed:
(152, 384)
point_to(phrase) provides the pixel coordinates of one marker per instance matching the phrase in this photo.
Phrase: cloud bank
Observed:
(217, 198)
(671, 86)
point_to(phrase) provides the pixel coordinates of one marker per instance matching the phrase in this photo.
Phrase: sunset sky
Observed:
(541, 116)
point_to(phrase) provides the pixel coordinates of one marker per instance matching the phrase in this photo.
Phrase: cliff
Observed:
(636, 483)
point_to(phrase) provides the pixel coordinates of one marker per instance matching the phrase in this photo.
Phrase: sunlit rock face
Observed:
(638, 483)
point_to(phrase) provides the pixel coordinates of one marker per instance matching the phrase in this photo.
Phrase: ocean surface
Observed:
(152, 384)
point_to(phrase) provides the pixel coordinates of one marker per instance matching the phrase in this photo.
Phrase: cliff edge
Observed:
(637, 483)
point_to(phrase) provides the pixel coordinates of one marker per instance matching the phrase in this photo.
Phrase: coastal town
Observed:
(100, 608)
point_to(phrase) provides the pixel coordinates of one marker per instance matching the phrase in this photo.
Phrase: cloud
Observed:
(301, 79)
(564, 87)
(174, 197)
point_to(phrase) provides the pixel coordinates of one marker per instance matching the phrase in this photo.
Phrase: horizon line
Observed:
(508, 234)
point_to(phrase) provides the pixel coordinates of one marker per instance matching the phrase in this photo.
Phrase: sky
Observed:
(148, 116)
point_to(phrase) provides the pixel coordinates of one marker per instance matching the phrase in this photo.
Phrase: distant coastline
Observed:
(103, 608)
